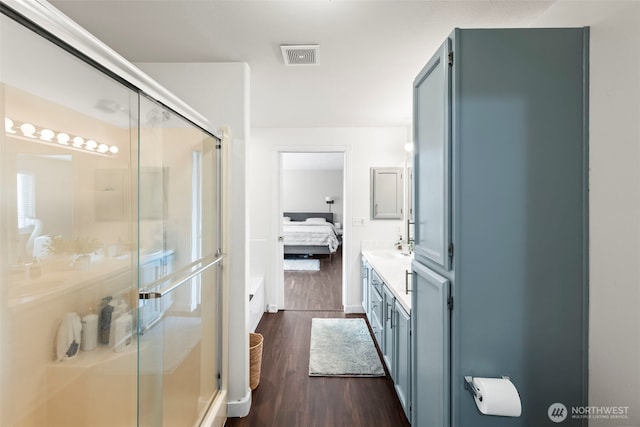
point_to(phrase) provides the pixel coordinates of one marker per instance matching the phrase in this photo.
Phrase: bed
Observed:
(309, 233)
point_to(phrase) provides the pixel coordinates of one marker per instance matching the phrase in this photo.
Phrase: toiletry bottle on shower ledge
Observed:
(123, 332)
(120, 309)
(89, 331)
(106, 312)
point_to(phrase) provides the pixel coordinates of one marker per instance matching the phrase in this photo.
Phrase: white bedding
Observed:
(298, 233)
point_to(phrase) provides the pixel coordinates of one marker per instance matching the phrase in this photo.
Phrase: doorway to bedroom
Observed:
(312, 205)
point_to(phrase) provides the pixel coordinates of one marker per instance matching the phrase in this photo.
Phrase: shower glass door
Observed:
(67, 238)
(178, 258)
(109, 246)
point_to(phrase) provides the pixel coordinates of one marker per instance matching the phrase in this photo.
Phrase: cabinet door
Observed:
(402, 358)
(365, 287)
(430, 337)
(388, 305)
(432, 135)
(375, 318)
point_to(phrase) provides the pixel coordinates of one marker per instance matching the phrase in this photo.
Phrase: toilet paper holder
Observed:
(469, 385)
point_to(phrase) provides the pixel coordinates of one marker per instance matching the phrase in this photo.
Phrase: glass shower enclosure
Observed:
(109, 245)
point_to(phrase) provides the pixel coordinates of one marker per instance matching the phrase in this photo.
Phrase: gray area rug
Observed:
(302, 264)
(343, 348)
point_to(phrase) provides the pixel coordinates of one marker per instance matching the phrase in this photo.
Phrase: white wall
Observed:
(220, 91)
(614, 209)
(306, 190)
(364, 148)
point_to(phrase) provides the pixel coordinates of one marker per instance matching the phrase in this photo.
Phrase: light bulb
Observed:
(114, 149)
(8, 125)
(91, 145)
(63, 138)
(103, 148)
(28, 130)
(78, 141)
(408, 147)
(47, 135)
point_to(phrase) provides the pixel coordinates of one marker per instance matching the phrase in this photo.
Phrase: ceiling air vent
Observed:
(300, 54)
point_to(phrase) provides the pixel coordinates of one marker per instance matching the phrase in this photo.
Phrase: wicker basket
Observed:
(255, 359)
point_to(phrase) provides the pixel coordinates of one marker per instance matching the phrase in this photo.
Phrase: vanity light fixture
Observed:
(30, 132)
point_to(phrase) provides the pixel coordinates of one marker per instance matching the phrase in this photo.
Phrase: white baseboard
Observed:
(240, 407)
(350, 309)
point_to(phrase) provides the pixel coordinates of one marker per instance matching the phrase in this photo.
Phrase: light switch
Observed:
(358, 222)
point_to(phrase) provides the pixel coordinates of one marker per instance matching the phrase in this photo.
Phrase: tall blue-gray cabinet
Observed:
(402, 356)
(500, 277)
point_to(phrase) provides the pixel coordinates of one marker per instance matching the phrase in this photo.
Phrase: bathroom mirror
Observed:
(387, 193)
(36, 176)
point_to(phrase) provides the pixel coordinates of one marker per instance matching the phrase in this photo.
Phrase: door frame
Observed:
(278, 251)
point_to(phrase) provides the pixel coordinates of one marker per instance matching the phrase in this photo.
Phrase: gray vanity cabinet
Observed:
(388, 304)
(376, 304)
(500, 276)
(365, 274)
(402, 357)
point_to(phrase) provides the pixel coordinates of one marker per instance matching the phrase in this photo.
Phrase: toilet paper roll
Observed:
(497, 396)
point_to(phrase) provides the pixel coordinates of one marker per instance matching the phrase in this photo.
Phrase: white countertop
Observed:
(392, 266)
(61, 278)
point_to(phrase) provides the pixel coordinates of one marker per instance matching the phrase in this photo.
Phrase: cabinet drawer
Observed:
(376, 326)
(376, 281)
(376, 304)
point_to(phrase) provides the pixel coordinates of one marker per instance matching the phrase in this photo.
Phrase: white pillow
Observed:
(316, 220)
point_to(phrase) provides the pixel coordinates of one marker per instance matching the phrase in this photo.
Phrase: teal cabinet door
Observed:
(432, 136)
(388, 303)
(365, 288)
(430, 327)
(402, 357)
(375, 319)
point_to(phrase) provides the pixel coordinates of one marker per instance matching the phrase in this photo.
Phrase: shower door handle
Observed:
(145, 294)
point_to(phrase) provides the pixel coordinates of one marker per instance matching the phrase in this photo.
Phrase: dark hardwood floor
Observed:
(288, 397)
(315, 290)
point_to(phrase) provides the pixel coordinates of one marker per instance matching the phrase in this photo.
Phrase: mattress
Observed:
(300, 233)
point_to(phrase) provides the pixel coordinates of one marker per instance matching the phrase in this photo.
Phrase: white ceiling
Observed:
(370, 51)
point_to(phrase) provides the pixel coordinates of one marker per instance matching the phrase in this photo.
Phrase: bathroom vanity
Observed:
(387, 304)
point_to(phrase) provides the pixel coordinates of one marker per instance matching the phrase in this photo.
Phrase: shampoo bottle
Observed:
(123, 332)
(89, 332)
(105, 320)
(120, 309)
